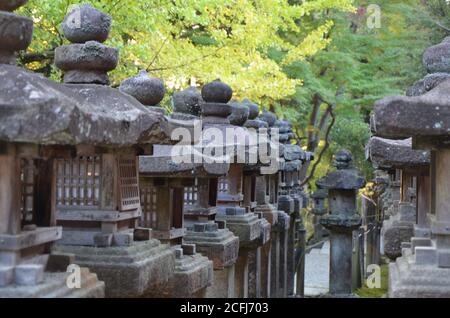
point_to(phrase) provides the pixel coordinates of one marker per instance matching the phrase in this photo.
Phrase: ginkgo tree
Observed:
(196, 41)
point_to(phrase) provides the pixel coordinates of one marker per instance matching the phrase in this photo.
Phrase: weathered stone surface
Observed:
(6, 276)
(147, 90)
(246, 226)
(341, 223)
(407, 279)
(345, 177)
(256, 124)
(11, 5)
(217, 92)
(239, 113)
(421, 116)
(252, 107)
(392, 154)
(269, 117)
(319, 194)
(85, 23)
(16, 35)
(36, 110)
(293, 152)
(217, 110)
(54, 285)
(437, 57)
(29, 274)
(342, 179)
(153, 266)
(220, 246)
(393, 239)
(165, 163)
(86, 63)
(193, 273)
(188, 101)
(427, 83)
(284, 126)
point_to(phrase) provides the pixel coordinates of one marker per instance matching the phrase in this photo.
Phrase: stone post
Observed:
(319, 210)
(212, 238)
(397, 154)
(423, 269)
(342, 220)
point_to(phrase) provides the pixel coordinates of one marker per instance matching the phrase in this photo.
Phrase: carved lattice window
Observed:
(28, 179)
(148, 203)
(128, 184)
(191, 194)
(78, 181)
(223, 185)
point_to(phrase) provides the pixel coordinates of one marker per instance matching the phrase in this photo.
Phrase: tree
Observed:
(195, 40)
(358, 67)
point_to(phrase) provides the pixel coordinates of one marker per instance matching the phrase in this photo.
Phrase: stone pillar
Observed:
(319, 210)
(422, 228)
(342, 220)
(371, 227)
(441, 226)
(283, 225)
(267, 211)
(423, 270)
(286, 204)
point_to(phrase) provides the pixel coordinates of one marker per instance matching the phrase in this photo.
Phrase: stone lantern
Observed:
(28, 144)
(423, 269)
(279, 234)
(163, 180)
(290, 202)
(259, 258)
(231, 140)
(96, 178)
(397, 154)
(343, 219)
(319, 209)
(267, 208)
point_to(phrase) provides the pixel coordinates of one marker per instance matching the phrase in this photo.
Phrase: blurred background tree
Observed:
(313, 62)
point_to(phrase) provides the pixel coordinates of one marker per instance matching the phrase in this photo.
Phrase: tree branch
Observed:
(317, 101)
(325, 147)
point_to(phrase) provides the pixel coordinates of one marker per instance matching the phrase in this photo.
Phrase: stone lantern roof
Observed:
(36, 110)
(395, 154)
(320, 194)
(163, 163)
(436, 60)
(346, 177)
(421, 117)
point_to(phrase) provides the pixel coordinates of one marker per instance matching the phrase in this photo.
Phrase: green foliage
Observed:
(279, 53)
(358, 67)
(184, 41)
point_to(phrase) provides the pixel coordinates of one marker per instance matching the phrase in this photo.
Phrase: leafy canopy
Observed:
(184, 41)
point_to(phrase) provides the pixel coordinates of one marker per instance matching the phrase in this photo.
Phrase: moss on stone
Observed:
(366, 292)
